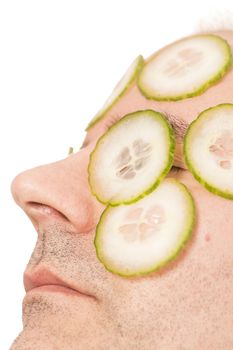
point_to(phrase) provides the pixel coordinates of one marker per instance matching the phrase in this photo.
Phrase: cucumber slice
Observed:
(119, 89)
(208, 149)
(131, 158)
(185, 68)
(140, 238)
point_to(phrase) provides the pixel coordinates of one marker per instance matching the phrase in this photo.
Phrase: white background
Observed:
(59, 61)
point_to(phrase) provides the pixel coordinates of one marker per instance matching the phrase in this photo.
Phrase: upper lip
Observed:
(43, 276)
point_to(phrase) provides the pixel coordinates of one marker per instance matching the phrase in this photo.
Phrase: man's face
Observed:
(186, 305)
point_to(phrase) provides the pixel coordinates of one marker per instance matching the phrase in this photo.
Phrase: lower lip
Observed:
(57, 289)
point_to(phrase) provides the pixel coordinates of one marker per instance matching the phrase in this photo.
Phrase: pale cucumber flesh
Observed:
(185, 68)
(131, 158)
(138, 239)
(208, 149)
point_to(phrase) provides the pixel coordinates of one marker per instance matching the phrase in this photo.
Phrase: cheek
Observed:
(190, 285)
(214, 223)
(207, 264)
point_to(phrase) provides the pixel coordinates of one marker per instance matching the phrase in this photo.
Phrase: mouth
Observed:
(42, 280)
(55, 288)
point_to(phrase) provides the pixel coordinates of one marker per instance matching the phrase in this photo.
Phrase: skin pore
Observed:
(187, 305)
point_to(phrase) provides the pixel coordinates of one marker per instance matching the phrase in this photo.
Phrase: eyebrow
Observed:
(178, 124)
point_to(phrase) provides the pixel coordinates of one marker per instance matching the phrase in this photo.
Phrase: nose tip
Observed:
(55, 192)
(16, 185)
(25, 188)
(22, 193)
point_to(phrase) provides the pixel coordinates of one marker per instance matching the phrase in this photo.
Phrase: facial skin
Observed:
(187, 305)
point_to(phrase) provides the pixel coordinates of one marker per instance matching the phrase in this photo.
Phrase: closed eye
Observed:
(175, 169)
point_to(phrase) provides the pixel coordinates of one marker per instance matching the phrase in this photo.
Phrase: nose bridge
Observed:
(61, 188)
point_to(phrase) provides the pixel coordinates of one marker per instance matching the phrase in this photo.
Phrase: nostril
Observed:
(49, 197)
(38, 209)
(41, 215)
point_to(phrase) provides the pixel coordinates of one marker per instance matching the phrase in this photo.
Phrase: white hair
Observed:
(215, 21)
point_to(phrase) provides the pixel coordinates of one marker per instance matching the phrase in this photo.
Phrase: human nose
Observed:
(59, 192)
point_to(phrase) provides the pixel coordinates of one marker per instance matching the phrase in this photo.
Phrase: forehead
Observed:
(186, 110)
